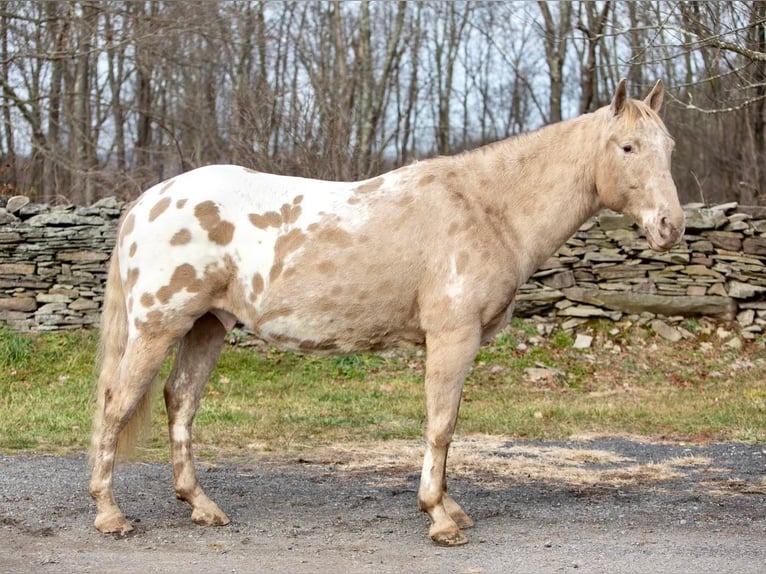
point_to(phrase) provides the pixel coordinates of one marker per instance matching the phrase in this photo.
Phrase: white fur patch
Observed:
(180, 434)
(455, 285)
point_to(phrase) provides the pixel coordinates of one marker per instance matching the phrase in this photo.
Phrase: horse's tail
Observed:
(113, 342)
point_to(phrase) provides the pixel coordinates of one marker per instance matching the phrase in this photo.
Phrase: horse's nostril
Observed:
(666, 227)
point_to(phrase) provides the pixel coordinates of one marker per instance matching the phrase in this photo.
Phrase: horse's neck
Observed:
(544, 185)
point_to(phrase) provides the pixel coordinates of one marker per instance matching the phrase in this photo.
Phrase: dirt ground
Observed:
(612, 505)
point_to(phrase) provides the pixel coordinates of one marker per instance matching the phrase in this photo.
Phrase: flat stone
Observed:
(18, 304)
(746, 318)
(542, 295)
(571, 324)
(110, 202)
(559, 280)
(609, 221)
(668, 305)
(726, 207)
(82, 256)
(737, 226)
(9, 237)
(582, 311)
(728, 240)
(583, 341)
(52, 298)
(543, 374)
(64, 219)
(665, 331)
(604, 256)
(16, 202)
(754, 245)
(734, 343)
(667, 257)
(717, 289)
(621, 235)
(703, 246)
(50, 308)
(6, 217)
(32, 209)
(82, 304)
(24, 269)
(619, 272)
(702, 271)
(702, 219)
(740, 290)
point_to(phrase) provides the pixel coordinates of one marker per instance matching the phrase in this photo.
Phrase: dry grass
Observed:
(492, 460)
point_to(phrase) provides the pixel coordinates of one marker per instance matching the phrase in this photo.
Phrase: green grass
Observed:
(633, 383)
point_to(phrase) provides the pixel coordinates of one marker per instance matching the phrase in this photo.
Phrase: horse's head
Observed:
(633, 167)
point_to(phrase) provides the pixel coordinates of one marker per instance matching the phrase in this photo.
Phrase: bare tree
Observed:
(110, 96)
(555, 40)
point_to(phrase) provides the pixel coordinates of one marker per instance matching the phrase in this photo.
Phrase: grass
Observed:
(627, 383)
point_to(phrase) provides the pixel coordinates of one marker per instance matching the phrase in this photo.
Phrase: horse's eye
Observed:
(627, 148)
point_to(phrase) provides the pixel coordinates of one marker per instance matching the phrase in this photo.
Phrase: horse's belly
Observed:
(320, 325)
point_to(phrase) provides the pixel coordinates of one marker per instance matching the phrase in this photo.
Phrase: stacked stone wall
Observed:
(53, 268)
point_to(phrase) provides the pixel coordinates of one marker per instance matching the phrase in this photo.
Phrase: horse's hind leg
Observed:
(197, 356)
(122, 395)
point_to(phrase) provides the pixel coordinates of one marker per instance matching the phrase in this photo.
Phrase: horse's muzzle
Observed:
(664, 232)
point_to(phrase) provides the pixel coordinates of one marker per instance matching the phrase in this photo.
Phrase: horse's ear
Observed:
(619, 98)
(654, 99)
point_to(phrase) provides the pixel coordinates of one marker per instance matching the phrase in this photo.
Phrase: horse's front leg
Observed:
(448, 361)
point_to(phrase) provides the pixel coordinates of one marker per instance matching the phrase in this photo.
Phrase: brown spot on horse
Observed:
(285, 245)
(335, 236)
(167, 186)
(131, 279)
(181, 237)
(257, 285)
(372, 185)
(290, 213)
(326, 267)
(184, 277)
(159, 208)
(127, 227)
(266, 220)
(218, 231)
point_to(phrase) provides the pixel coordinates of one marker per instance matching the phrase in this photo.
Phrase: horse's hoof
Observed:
(113, 524)
(459, 516)
(462, 520)
(449, 538)
(456, 513)
(209, 517)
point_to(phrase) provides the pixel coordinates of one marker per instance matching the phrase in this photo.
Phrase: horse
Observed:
(428, 254)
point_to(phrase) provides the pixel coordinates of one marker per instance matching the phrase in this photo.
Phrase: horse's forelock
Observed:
(636, 110)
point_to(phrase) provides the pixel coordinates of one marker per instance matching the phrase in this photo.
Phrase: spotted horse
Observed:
(429, 254)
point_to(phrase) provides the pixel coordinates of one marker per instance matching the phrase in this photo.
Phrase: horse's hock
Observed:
(53, 263)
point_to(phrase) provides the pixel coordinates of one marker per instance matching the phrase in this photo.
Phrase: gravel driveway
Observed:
(605, 505)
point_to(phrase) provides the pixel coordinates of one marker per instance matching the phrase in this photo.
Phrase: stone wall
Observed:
(53, 267)
(53, 263)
